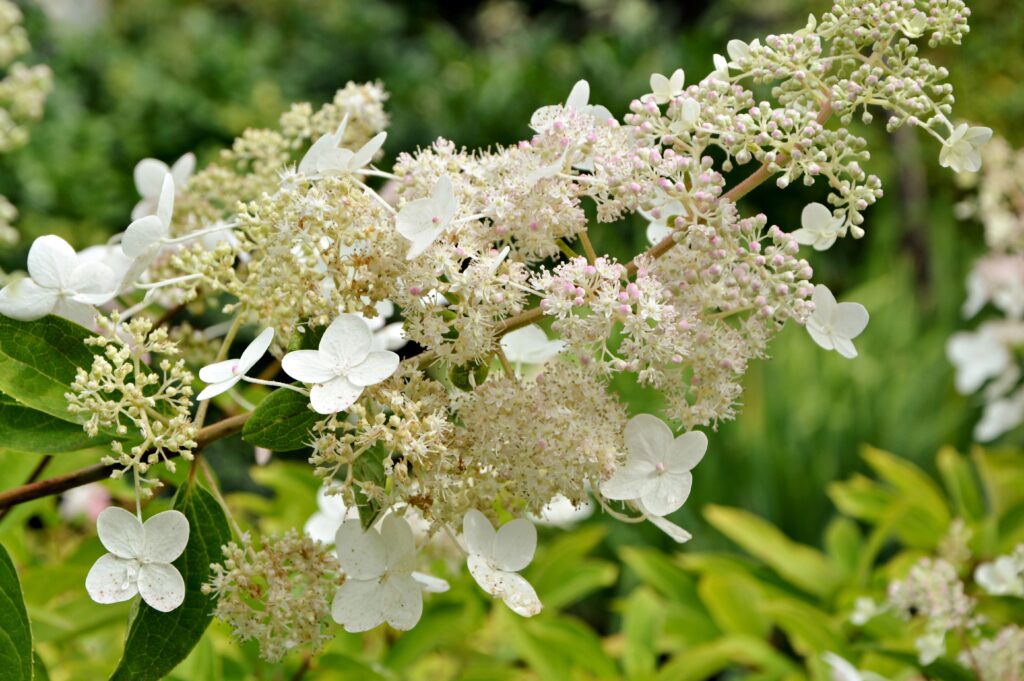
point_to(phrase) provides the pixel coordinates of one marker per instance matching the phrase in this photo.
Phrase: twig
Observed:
(32, 477)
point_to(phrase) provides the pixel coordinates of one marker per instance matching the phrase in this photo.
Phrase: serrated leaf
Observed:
(15, 632)
(158, 641)
(282, 422)
(24, 429)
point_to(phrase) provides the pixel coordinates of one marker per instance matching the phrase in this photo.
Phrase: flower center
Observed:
(659, 468)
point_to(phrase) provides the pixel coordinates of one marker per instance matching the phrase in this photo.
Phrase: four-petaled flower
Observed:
(819, 228)
(149, 180)
(344, 364)
(380, 584)
(140, 559)
(665, 89)
(223, 376)
(1002, 577)
(59, 283)
(530, 345)
(962, 151)
(327, 157)
(833, 325)
(495, 559)
(423, 220)
(657, 471)
(578, 101)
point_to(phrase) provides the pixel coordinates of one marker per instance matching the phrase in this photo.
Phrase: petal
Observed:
(361, 554)
(166, 536)
(850, 319)
(142, 235)
(165, 207)
(80, 313)
(399, 544)
(579, 96)
(816, 217)
(161, 586)
(844, 346)
(182, 169)
(478, 533)
(50, 261)
(307, 366)
(416, 218)
(629, 482)
(678, 534)
(121, 532)
(337, 394)
(515, 544)
(25, 300)
(377, 367)
(93, 283)
(322, 527)
(215, 389)
(430, 583)
(402, 601)
(686, 451)
(421, 242)
(143, 208)
(804, 236)
(358, 605)
(517, 593)
(660, 88)
(255, 350)
(347, 340)
(824, 302)
(668, 493)
(218, 372)
(108, 580)
(149, 174)
(443, 195)
(647, 439)
(318, 150)
(367, 151)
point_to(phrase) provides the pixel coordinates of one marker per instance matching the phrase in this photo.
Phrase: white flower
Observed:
(962, 151)
(331, 513)
(380, 584)
(1002, 577)
(665, 89)
(864, 609)
(149, 179)
(59, 283)
(721, 71)
(327, 157)
(223, 376)
(977, 357)
(423, 220)
(578, 101)
(530, 345)
(386, 336)
(560, 511)
(495, 559)
(739, 51)
(930, 647)
(111, 255)
(819, 227)
(657, 470)
(1000, 416)
(344, 364)
(676, 533)
(142, 238)
(834, 326)
(658, 228)
(914, 27)
(844, 671)
(140, 559)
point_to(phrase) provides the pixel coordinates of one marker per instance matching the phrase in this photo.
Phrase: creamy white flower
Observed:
(140, 559)
(530, 345)
(111, 255)
(1001, 577)
(864, 609)
(721, 71)
(819, 228)
(149, 179)
(914, 27)
(930, 647)
(222, 376)
(495, 559)
(344, 364)
(658, 465)
(676, 533)
(659, 217)
(665, 89)
(560, 511)
(331, 512)
(844, 671)
(380, 583)
(578, 100)
(142, 238)
(739, 50)
(962, 151)
(327, 157)
(977, 356)
(59, 283)
(834, 326)
(1000, 416)
(423, 220)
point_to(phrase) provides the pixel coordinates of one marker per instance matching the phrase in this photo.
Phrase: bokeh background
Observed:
(157, 78)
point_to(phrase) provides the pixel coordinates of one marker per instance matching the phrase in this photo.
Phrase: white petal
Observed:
(478, 533)
(166, 536)
(517, 593)
(377, 367)
(142, 235)
(367, 152)
(579, 96)
(361, 554)
(844, 346)
(686, 451)
(25, 300)
(824, 302)
(530, 345)
(347, 340)
(421, 242)
(337, 394)
(445, 199)
(143, 208)
(358, 605)
(402, 601)
(647, 438)
(308, 166)
(108, 580)
(165, 207)
(430, 583)
(218, 372)
(149, 174)
(121, 532)
(629, 482)
(322, 527)
(182, 169)
(668, 493)
(515, 544)
(93, 283)
(82, 314)
(850, 319)
(419, 218)
(816, 217)
(256, 349)
(678, 534)
(50, 261)
(399, 544)
(215, 389)
(161, 586)
(307, 366)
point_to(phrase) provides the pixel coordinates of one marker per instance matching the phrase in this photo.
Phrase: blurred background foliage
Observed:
(157, 78)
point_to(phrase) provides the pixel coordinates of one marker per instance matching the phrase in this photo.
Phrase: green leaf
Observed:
(959, 480)
(24, 429)
(706, 660)
(158, 641)
(803, 566)
(369, 467)
(911, 481)
(810, 630)
(282, 422)
(733, 600)
(563, 573)
(15, 633)
(844, 544)
(656, 570)
(643, 616)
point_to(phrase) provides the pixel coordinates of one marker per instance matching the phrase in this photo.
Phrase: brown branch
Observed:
(32, 477)
(62, 483)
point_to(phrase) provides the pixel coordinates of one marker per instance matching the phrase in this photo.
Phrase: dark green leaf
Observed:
(282, 422)
(369, 467)
(15, 633)
(158, 641)
(24, 429)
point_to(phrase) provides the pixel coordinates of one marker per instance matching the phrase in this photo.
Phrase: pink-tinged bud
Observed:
(415, 291)
(590, 270)
(625, 310)
(577, 302)
(460, 252)
(660, 467)
(534, 226)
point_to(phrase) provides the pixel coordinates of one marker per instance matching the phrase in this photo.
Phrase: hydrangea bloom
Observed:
(495, 559)
(833, 325)
(818, 227)
(149, 180)
(222, 376)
